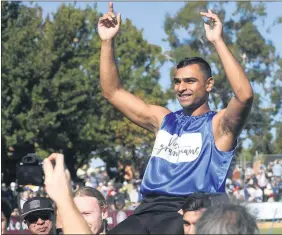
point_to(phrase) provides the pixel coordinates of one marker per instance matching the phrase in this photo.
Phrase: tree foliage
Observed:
(51, 97)
(186, 36)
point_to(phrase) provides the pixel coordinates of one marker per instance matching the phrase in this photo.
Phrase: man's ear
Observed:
(209, 84)
(105, 212)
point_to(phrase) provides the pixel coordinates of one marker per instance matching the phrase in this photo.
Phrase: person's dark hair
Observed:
(227, 219)
(196, 201)
(119, 201)
(204, 65)
(199, 200)
(6, 209)
(91, 192)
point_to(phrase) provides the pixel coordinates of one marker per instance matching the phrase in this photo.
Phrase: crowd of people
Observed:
(183, 187)
(119, 195)
(257, 182)
(42, 214)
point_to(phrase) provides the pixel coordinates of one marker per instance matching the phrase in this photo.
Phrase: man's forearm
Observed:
(109, 76)
(72, 220)
(234, 72)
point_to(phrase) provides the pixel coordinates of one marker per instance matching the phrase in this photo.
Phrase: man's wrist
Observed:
(218, 42)
(107, 42)
(64, 203)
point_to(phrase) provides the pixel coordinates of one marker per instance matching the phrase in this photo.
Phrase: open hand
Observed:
(109, 24)
(57, 179)
(214, 32)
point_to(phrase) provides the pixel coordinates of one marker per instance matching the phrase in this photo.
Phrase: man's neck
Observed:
(204, 108)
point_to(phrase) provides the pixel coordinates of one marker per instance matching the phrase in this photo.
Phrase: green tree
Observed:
(278, 142)
(276, 94)
(51, 97)
(251, 49)
(18, 42)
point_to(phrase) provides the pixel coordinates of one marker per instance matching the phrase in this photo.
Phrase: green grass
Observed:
(274, 231)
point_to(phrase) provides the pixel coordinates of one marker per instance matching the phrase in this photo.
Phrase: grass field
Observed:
(274, 231)
(265, 228)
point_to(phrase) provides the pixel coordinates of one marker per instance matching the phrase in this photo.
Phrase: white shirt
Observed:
(258, 195)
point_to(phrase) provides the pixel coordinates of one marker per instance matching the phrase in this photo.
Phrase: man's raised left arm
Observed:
(229, 122)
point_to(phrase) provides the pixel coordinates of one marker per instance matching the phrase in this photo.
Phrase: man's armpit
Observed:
(227, 126)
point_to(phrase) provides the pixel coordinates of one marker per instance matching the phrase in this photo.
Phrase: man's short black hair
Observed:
(204, 65)
(196, 201)
(199, 200)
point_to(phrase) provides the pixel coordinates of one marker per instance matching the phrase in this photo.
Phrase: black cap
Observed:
(37, 204)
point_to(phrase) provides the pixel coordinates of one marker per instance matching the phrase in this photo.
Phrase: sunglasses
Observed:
(32, 218)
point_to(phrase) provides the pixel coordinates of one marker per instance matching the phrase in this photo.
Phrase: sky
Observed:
(150, 17)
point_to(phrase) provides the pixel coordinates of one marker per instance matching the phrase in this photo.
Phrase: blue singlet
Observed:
(185, 159)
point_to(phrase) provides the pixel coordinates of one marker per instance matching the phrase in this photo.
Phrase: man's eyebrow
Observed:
(186, 222)
(185, 79)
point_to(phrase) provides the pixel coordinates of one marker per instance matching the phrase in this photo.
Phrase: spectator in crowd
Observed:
(7, 193)
(119, 201)
(174, 167)
(134, 196)
(6, 211)
(249, 172)
(258, 193)
(277, 171)
(120, 172)
(268, 193)
(261, 178)
(24, 197)
(13, 186)
(128, 172)
(251, 191)
(92, 205)
(88, 182)
(239, 192)
(226, 219)
(38, 215)
(15, 212)
(58, 186)
(262, 181)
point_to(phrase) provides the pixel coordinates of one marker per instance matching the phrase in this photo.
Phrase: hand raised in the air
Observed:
(214, 30)
(109, 24)
(57, 179)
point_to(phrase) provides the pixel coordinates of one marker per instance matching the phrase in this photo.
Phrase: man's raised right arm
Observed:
(134, 108)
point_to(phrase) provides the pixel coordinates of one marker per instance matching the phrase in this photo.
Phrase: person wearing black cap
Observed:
(6, 211)
(37, 214)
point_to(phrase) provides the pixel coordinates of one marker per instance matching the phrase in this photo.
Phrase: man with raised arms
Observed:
(194, 146)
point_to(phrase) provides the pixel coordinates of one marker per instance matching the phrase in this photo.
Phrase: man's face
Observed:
(39, 222)
(92, 212)
(3, 223)
(190, 218)
(190, 86)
